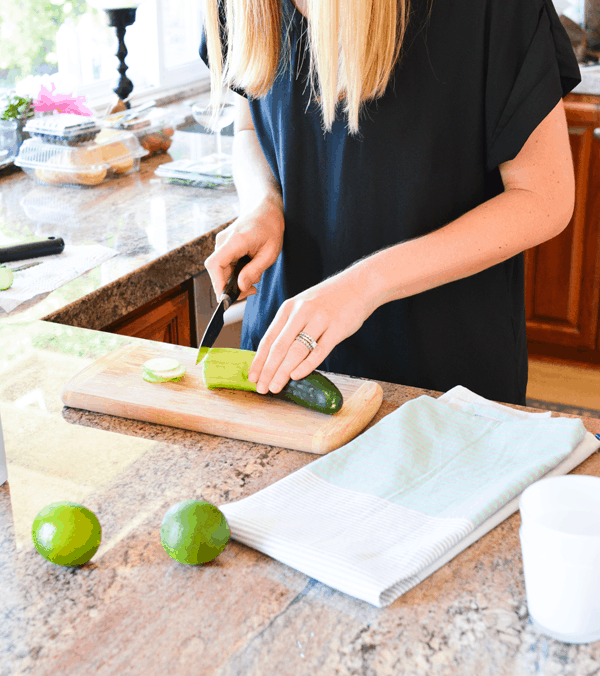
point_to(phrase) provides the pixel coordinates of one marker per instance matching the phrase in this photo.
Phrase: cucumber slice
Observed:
(165, 375)
(161, 364)
(173, 371)
(6, 278)
(151, 379)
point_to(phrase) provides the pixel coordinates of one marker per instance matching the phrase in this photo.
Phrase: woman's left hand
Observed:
(328, 312)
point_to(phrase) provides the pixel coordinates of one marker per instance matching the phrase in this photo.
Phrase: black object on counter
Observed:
(21, 252)
(119, 19)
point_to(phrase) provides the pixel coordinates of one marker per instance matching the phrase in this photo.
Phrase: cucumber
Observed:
(315, 392)
(225, 367)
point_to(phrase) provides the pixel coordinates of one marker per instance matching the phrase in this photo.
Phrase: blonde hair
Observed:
(353, 49)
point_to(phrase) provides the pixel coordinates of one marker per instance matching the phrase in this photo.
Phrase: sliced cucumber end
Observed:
(162, 370)
(228, 368)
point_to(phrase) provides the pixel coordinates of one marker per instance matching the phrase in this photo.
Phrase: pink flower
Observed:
(60, 103)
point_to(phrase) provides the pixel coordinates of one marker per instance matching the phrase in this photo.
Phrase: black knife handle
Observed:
(232, 290)
(21, 252)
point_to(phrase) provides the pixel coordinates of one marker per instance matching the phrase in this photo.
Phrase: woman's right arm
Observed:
(258, 231)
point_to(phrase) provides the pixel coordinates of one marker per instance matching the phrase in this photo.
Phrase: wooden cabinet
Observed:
(170, 318)
(562, 276)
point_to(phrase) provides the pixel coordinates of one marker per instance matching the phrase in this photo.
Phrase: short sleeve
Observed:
(530, 67)
(203, 51)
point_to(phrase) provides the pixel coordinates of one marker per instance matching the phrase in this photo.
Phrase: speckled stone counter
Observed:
(134, 611)
(162, 232)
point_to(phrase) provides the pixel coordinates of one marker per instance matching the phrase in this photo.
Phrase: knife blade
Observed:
(21, 252)
(230, 294)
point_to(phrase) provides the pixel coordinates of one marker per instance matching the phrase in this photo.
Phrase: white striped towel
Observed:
(375, 517)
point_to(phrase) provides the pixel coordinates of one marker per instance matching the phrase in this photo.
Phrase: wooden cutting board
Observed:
(114, 385)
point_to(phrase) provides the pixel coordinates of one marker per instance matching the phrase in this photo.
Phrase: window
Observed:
(70, 43)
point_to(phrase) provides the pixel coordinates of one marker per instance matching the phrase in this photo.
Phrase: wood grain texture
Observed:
(114, 385)
(562, 275)
(167, 319)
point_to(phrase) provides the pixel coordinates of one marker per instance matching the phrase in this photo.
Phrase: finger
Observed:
(296, 355)
(280, 348)
(252, 272)
(316, 357)
(265, 345)
(221, 262)
(219, 270)
(251, 292)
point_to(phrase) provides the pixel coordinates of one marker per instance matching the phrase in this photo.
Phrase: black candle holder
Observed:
(119, 19)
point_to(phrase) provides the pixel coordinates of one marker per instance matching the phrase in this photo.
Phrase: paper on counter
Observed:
(52, 272)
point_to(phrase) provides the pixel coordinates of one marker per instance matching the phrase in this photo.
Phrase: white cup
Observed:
(3, 467)
(560, 541)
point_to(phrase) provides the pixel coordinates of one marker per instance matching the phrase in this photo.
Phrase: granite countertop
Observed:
(134, 611)
(163, 234)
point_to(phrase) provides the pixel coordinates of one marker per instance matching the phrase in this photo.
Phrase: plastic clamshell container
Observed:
(64, 129)
(85, 165)
(6, 157)
(187, 172)
(11, 137)
(154, 129)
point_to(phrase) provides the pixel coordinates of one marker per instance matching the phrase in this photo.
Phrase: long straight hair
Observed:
(353, 49)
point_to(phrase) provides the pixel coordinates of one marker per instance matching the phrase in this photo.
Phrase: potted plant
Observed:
(15, 111)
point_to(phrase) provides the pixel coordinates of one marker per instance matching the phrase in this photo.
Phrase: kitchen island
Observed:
(133, 610)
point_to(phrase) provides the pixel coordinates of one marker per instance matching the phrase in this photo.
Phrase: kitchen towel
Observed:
(375, 517)
(52, 272)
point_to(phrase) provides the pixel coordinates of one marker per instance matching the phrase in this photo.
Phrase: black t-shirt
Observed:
(476, 78)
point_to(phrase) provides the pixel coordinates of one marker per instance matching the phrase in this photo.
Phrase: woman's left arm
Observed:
(536, 205)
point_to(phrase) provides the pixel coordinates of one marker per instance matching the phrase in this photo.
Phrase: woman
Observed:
(385, 203)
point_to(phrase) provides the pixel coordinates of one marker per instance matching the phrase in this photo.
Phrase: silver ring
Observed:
(306, 340)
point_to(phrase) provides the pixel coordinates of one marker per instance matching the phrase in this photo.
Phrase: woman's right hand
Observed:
(259, 234)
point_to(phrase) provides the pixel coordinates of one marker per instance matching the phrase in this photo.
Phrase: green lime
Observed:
(194, 531)
(66, 533)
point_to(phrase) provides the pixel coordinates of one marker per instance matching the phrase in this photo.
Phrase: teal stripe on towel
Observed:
(448, 463)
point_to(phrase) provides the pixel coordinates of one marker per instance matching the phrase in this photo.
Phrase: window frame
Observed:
(168, 81)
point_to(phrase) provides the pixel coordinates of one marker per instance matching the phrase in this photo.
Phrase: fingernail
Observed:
(252, 377)
(261, 389)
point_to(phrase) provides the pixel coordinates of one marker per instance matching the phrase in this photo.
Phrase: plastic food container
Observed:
(64, 129)
(192, 173)
(154, 129)
(11, 138)
(88, 164)
(6, 157)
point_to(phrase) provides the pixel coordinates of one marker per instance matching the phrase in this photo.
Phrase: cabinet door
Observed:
(562, 274)
(167, 319)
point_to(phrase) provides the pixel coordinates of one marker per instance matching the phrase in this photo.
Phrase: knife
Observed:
(230, 294)
(21, 252)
